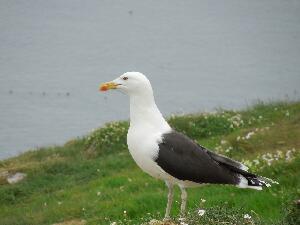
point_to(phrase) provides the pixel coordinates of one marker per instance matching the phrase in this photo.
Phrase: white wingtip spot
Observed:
(244, 184)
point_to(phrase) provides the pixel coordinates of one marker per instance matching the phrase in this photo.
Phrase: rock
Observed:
(15, 178)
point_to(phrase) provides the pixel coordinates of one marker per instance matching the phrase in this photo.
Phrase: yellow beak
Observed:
(107, 86)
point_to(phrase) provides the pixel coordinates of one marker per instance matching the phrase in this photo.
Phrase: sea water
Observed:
(199, 55)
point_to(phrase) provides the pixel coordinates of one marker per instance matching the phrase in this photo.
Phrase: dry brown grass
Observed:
(72, 222)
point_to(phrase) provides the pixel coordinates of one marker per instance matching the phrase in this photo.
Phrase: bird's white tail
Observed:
(256, 182)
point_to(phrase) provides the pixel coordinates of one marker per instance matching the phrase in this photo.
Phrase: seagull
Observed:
(166, 154)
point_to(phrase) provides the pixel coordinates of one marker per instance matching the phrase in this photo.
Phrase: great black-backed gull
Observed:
(169, 155)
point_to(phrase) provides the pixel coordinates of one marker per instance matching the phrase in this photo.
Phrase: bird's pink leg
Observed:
(183, 201)
(170, 200)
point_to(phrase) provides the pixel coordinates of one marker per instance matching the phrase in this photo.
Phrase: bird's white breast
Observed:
(143, 147)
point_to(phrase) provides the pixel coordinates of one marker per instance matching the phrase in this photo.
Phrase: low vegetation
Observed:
(93, 180)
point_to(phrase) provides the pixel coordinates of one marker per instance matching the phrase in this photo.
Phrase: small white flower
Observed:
(248, 136)
(83, 209)
(289, 155)
(247, 216)
(98, 193)
(287, 113)
(260, 117)
(223, 142)
(124, 212)
(256, 161)
(238, 138)
(201, 212)
(113, 223)
(203, 200)
(183, 223)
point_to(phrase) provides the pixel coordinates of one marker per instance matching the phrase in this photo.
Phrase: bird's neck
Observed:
(144, 112)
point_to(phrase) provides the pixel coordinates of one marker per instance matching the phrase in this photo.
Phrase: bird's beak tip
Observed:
(103, 87)
(107, 86)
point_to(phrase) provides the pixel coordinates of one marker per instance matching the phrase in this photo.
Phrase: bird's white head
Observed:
(142, 104)
(131, 83)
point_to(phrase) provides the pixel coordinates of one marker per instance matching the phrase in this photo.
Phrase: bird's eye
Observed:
(125, 78)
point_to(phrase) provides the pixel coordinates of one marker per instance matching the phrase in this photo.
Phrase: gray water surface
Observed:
(199, 55)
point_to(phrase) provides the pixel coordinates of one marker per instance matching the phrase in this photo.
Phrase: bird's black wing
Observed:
(182, 158)
(226, 161)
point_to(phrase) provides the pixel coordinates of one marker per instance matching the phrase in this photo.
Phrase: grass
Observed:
(95, 179)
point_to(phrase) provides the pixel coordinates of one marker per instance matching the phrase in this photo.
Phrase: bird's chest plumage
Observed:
(143, 147)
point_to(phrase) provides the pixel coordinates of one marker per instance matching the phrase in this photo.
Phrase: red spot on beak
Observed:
(107, 86)
(103, 88)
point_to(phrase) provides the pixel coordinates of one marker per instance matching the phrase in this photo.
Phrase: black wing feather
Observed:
(185, 160)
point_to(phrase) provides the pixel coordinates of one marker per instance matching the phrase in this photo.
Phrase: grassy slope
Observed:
(94, 178)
